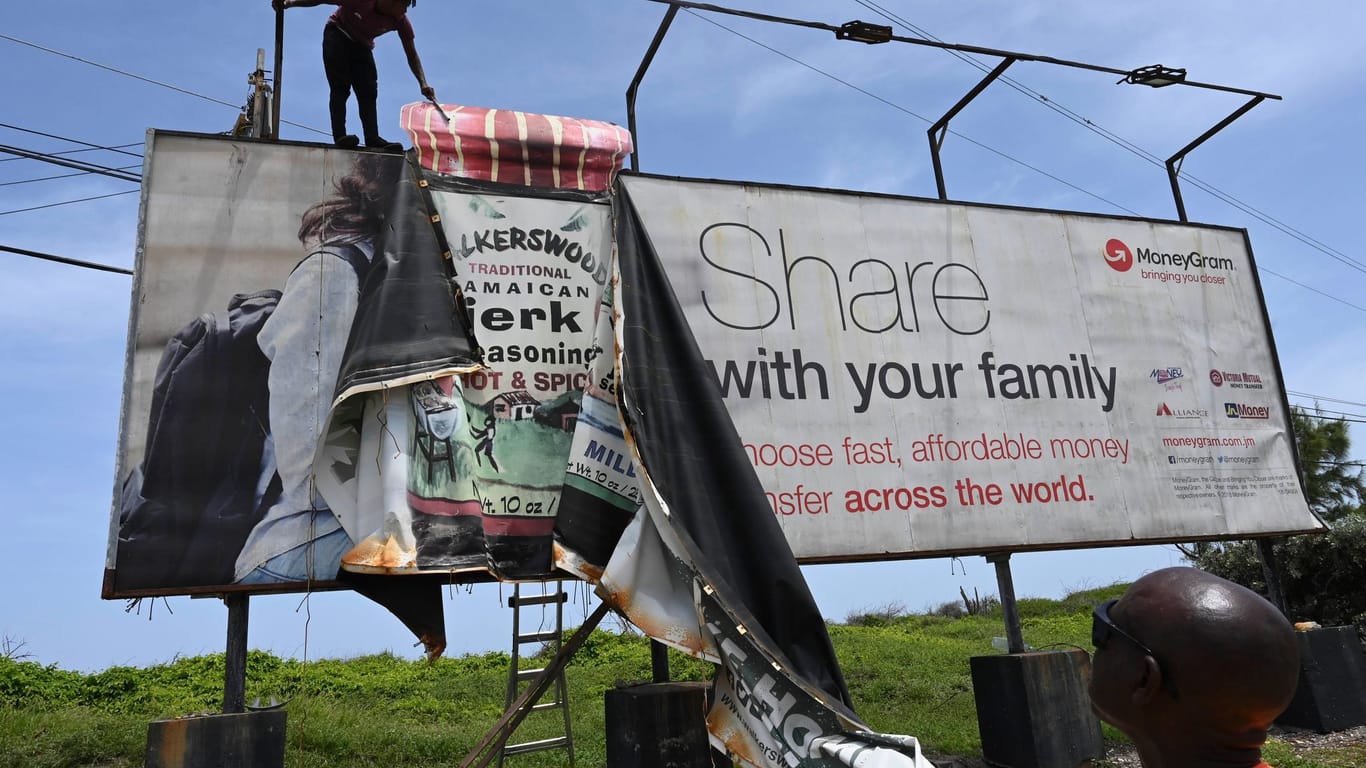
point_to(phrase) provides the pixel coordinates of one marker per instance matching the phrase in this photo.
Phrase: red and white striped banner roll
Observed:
(516, 147)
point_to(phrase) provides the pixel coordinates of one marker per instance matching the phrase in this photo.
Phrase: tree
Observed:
(1332, 481)
(1321, 575)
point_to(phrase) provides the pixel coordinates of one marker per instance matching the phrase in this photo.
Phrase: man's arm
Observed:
(415, 64)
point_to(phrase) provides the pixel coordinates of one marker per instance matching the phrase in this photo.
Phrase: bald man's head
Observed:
(1204, 660)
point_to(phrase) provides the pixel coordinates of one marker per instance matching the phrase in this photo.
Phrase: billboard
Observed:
(912, 377)
(341, 362)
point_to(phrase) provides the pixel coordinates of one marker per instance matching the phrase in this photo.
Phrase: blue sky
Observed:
(754, 101)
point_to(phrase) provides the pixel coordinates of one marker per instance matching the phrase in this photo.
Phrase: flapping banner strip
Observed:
(781, 694)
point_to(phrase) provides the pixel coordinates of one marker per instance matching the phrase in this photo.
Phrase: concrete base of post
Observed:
(658, 725)
(1033, 710)
(247, 740)
(1332, 692)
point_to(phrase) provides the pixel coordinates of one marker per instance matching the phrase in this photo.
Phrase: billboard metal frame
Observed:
(1140, 76)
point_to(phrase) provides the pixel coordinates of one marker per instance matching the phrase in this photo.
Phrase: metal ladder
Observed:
(556, 697)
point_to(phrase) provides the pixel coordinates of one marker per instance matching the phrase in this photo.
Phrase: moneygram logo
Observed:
(1118, 255)
(1216, 378)
(1191, 267)
(1245, 411)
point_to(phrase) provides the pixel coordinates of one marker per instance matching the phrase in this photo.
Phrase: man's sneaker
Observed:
(384, 144)
(348, 141)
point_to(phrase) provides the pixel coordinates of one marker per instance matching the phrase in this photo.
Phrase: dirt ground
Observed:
(1303, 743)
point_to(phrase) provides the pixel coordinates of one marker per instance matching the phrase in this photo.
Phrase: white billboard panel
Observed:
(913, 377)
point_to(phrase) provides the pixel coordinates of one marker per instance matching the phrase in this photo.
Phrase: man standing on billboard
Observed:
(349, 60)
(1193, 668)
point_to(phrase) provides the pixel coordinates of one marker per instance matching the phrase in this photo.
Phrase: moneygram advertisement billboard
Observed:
(912, 377)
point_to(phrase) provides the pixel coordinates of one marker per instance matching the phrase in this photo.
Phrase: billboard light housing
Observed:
(864, 32)
(1155, 76)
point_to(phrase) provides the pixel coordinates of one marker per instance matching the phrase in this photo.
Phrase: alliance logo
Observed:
(1235, 379)
(1182, 413)
(1118, 255)
(1245, 411)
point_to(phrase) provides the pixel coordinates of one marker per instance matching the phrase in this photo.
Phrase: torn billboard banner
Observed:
(913, 377)
(704, 566)
(465, 473)
(402, 444)
(254, 261)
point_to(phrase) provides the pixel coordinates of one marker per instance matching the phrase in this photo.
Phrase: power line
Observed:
(61, 176)
(63, 138)
(1131, 147)
(1335, 418)
(75, 152)
(79, 165)
(1310, 288)
(1316, 411)
(900, 108)
(118, 71)
(65, 260)
(1321, 397)
(981, 145)
(69, 202)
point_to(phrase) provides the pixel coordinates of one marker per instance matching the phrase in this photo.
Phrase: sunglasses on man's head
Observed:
(1103, 628)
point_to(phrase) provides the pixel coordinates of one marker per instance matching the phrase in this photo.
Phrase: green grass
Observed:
(907, 674)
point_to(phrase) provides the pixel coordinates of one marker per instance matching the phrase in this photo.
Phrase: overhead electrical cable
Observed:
(65, 260)
(993, 150)
(1325, 399)
(72, 141)
(900, 108)
(79, 165)
(61, 176)
(74, 152)
(1129, 146)
(1343, 302)
(116, 70)
(69, 202)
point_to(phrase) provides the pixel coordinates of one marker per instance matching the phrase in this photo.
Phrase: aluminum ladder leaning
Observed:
(556, 696)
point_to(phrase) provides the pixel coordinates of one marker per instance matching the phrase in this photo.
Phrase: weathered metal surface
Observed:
(658, 725)
(1033, 710)
(1332, 691)
(245, 740)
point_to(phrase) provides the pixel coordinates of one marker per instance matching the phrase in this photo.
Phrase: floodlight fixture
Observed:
(864, 32)
(1155, 76)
